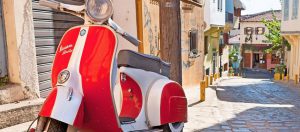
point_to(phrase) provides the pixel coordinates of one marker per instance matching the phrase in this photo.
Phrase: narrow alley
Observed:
(254, 103)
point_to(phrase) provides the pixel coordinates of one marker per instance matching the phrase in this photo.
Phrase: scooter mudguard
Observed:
(82, 80)
(166, 103)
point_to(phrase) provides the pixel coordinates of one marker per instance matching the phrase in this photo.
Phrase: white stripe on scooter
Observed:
(64, 110)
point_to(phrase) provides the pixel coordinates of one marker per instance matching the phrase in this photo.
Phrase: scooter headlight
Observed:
(99, 10)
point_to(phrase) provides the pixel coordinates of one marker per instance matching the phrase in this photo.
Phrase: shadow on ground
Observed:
(262, 119)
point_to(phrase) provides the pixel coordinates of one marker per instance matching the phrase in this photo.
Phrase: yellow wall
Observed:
(192, 68)
(213, 43)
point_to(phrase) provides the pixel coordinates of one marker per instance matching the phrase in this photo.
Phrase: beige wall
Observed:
(192, 68)
(260, 38)
(125, 16)
(151, 28)
(22, 65)
(225, 59)
(294, 55)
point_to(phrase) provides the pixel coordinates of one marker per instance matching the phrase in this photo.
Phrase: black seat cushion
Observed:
(128, 58)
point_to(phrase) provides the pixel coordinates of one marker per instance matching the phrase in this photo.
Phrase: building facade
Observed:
(232, 16)
(192, 26)
(290, 30)
(214, 18)
(254, 43)
(192, 38)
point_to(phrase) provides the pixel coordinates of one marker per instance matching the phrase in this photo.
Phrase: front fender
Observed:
(64, 104)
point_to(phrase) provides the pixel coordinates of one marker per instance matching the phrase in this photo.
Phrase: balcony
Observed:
(229, 18)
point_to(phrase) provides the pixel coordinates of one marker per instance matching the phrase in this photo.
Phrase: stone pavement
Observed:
(246, 105)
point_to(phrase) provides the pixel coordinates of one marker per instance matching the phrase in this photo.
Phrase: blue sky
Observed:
(255, 6)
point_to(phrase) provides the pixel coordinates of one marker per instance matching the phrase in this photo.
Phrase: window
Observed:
(221, 39)
(220, 5)
(295, 9)
(225, 67)
(207, 71)
(275, 59)
(259, 30)
(205, 45)
(193, 41)
(248, 30)
(286, 10)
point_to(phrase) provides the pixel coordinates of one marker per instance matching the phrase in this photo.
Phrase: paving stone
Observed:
(249, 104)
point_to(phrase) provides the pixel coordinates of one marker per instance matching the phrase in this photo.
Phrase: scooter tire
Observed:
(170, 127)
(57, 126)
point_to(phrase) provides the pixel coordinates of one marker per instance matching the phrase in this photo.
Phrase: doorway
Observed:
(255, 60)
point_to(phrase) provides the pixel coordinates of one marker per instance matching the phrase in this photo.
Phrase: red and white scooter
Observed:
(94, 92)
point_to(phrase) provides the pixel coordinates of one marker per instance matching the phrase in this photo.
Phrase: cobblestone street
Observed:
(254, 103)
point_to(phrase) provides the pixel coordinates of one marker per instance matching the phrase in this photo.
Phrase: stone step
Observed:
(11, 93)
(19, 127)
(21, 112)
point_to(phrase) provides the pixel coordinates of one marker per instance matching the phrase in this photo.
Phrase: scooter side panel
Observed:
(61, 61)
(96, 110)
(96, 71)
(132, 98)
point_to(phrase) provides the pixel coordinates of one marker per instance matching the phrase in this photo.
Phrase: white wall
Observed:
(212, 16)
(125, 16)
(290, 25)
(207, 14)
(260, 38)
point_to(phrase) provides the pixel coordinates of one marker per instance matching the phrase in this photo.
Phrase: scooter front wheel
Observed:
(52, 125)
(173, 127)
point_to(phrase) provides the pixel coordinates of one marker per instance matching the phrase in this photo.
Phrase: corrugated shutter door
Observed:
(49, 27)
(3, 65)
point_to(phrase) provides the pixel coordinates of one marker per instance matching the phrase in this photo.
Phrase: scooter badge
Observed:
(63, 76)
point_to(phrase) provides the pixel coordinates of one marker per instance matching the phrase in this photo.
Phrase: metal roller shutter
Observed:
(49, 26)
(3, 65)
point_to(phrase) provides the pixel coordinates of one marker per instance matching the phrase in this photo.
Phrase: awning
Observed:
(239, 4)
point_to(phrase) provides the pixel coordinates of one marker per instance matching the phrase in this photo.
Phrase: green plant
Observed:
(233, 54)
(231, 70)
(274, 35)
(280, 69)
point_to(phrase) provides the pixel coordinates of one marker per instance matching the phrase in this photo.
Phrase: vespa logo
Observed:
(63, 76)
(66, 49)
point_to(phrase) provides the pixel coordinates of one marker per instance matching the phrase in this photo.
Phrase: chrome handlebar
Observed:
(124, 34)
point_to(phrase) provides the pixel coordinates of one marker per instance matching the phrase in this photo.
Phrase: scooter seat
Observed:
(128, 58)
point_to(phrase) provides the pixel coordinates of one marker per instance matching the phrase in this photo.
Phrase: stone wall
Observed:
(22, 64)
